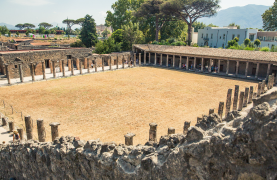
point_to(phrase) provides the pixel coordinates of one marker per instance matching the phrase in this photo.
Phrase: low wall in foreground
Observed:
(242, 146)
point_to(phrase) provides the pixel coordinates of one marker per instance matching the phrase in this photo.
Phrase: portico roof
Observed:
(215, 53)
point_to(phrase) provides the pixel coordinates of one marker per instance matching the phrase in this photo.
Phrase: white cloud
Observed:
(31, 2)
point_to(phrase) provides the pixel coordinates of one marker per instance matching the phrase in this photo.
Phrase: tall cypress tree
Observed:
(88, 32)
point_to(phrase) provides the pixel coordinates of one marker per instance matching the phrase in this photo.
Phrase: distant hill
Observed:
(246, 16)
(8, 26)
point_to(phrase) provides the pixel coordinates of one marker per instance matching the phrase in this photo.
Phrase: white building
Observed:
(219, 36)
(268, 38)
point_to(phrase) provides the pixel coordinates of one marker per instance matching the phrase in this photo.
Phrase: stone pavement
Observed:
(5, 135)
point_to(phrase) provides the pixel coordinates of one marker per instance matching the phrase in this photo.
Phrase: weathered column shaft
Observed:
(237, 68)
(161, 60)
(11, 126)
(236, 97)
(171, 130)
(41, 130)
(72, 68)
(129, 61)
(129, 139)
(210, 66)
(187, 67)
(29, 128)
(153, 132)
(268, 70)
(180, 62)
(241, 97)
(95, 64)
(155, 60)
(80, 67)
(63, 68)
(69, 64)
(110, 62)
(167, 60)
(218, 66)
(103, 69)
(21, 73)
(228, 101)
(250, 95)
(194, 63)
(173, 64)
(257, 70)
(117, 62)
(245, 97)
(4, 122)
(8, 74)
(54, 130)
(202, 65)
(227, 68)
(77, 63)
(54, 69)
(86, 63)
(123, 62)
(20, 132)
(139, 59)
(246, 69)
(186, 127)
(43, 70)
(259, 89)
(33, 71)
(263, 87)
(149, 58)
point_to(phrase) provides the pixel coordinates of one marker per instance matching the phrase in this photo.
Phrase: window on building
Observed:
(219, 37)
(275, 38)
(202, 35)
(212, 36)
(223, 36)
(233, 36)
(223, 45)
(264, 38)
(15, 66)
(238, 35)
(207, 36)
(251, 37)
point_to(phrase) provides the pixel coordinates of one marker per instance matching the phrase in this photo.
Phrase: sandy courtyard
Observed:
(110, 104)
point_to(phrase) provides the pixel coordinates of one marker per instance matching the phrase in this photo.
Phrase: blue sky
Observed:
(54, 11)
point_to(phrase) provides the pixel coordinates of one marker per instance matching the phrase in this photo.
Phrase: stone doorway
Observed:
(47, 63)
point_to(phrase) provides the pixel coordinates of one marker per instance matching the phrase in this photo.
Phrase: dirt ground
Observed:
(108, 105)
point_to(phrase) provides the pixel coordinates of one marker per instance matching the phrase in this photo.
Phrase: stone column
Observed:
(117, 62)
(167, 60)
(171, 130)
(54, 69)
(161, 60)
(257, 70)
(11, 126)
(180, 62)
(69, 64)
(263, 87)
(186, 127)
(139, 59)
(33, 72)
(236, 97)
(80, 67)
(149, 58)
(54, 130)
(41, 130)
(268, 70)
(8, 73)
(20, 132)
(194, 63)
(29, 127)
(77, 63)
(268, 83)
(155, 60)
(241, 97)
(218, 66)
(227, 68)
(129, 61)
(210, 66)
(72, 68)
(103, 69)
(63, 68)
(88, 65)
(228, 101)
(4, 122)
(110, 62)
(95, 65)
(202, 65)
(153, 132)
(85, 63)
(237, 69)
(21, 73)
(144, 60)
(259, 89)
(43, 70)
(187, 67)
(246, 69)
(123, 62)
(129, 139)
(211, 111)
(250, 95)
(173, 64)
(245, 97)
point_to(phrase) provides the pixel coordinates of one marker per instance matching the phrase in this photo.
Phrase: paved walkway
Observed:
(5, 136)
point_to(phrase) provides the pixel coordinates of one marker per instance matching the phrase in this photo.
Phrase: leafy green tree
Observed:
(117, 36)
(88, 32)
(45, 25)
(174, 29)
(257, 42)
(131, 35)
(77, 44)
(246, 42)
(4, 30)
(9, 33)
(47, 31)
(232, 43)
(269, 18)
(107, 46)
(191, 10)
(236, 39)
(41, 30)
(69, 23)
(53, 31)
(28, 25)
(17, 33)
(198, 25)
(20, 26)
(106, 32)
(80, 21)
(234, 24)
(122, 13)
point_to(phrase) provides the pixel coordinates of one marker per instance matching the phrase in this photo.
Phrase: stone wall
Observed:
(241, 146)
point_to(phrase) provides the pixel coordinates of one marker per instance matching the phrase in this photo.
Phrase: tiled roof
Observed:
(210, 52)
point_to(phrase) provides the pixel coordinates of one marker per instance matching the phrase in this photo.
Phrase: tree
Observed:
(80, 21)
(118, 35)
(20, 26)
(234, 24)
(17, 33)
(28, 25)
(53, 31)
(198, 25)
(9, 33)
(88, 32)
(107, 46)
(191, 10)
(152, 8)
(246, 42)
(41, 30)
(131, 35)
(69, 23)
(257, 42)
(4, 30)
(269, 18)
(45, 25)
(236, 39)
(106, 32)
(47, 31)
